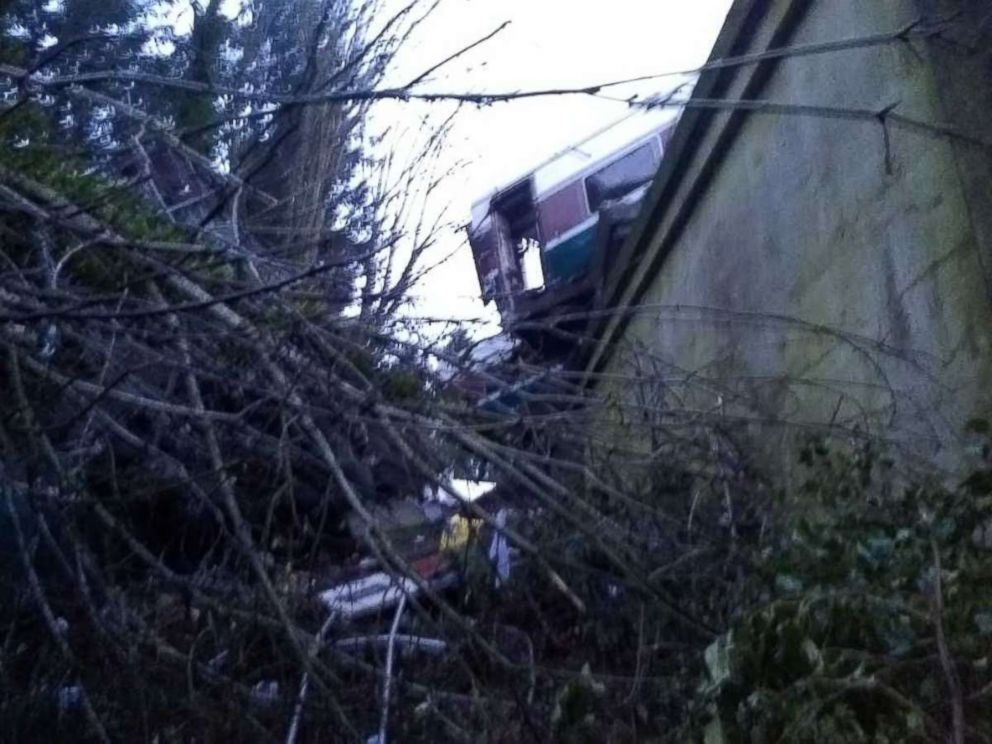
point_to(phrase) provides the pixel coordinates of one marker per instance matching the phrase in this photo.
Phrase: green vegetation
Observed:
(878, 618)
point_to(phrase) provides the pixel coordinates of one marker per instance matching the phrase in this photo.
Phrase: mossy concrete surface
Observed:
(835, 273)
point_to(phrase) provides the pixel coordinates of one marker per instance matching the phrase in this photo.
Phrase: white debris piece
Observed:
(69, 697)
(499, 551)
(217, 663)
(265, 691)
(367, 595)
(434, 646)
(467, 490)
(61, 626)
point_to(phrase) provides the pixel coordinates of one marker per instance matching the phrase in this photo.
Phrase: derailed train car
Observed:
(540, 237)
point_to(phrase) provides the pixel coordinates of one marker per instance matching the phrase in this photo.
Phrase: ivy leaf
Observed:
(788, 584)
(983, 619)
(813, 655)
(876, 551)
(717, 658)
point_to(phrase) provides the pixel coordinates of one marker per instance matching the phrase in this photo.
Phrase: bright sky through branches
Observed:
(549, 43)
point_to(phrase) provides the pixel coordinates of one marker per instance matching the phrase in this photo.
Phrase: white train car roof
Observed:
(586, 154)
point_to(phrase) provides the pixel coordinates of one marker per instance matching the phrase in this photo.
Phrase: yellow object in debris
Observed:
(458, 532)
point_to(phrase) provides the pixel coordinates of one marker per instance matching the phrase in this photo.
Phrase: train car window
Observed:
(622, 176)
(561, 211)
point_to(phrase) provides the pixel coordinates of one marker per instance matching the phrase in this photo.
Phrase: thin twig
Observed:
(387, 685)
(430, 70)
(946, 662)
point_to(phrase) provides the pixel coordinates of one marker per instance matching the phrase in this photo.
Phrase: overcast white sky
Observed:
(549, 43)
